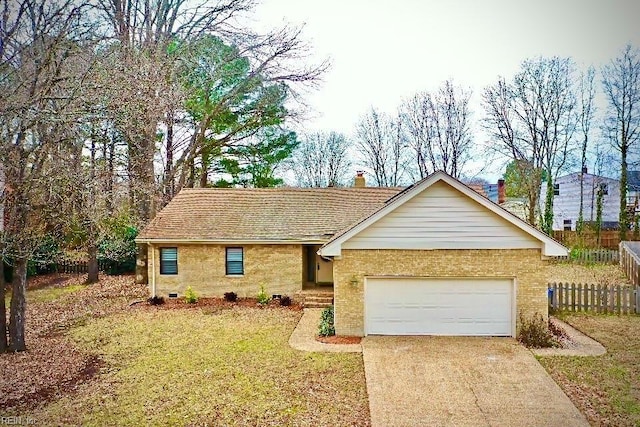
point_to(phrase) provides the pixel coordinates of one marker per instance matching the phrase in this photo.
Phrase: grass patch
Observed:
(46, 294)
(52, 294)
(606, 388)
(184, 367)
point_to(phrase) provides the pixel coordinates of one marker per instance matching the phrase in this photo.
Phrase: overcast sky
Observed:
(384, 51)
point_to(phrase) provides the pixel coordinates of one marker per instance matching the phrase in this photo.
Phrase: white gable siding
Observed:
(566, 205)
(441, 218)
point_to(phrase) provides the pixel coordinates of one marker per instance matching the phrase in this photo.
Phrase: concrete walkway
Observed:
(304, 335)
(461, 381)
(579, 344)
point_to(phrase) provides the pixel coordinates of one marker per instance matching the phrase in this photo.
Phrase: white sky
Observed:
(384, 51)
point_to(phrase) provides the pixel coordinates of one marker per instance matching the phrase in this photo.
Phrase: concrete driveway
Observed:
(461, 381)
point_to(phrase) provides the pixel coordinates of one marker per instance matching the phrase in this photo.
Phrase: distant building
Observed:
(566, 199)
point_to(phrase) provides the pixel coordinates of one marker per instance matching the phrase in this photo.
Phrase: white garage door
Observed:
(418, 306)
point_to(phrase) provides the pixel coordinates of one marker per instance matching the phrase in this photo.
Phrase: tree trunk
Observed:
(623, 219)
(18, 306)
(168, 169)
(110, 175)
(4, 344)
(547, 224)
(92, 265)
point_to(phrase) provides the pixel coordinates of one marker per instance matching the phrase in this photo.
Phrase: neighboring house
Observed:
(566, 200)
(434, 258)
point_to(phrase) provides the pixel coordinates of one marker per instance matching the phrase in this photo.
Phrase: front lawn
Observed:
(196, 366)
(605, 388)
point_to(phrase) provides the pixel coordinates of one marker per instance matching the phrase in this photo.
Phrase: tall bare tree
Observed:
(152, 39)
(586, 112)
(532, 119)
(621, 84)
(41, 77)
(382, 148)
(321, 160)
(438, 129)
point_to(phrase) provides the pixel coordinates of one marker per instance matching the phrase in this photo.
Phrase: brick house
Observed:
(432, 258)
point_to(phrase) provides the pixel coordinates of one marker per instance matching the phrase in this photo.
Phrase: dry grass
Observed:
(605, 388)
(609, 274)
(94, 360)
(232, 367)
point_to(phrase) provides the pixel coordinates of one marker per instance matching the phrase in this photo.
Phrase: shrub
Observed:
(117, 248)
(156, 300)
(190, 296)
(534, 332)
(230, 296)
(326, 327)
(262, 296)
(285, 301)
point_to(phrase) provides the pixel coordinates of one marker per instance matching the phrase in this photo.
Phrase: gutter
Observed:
(153, 270)
(231, 241)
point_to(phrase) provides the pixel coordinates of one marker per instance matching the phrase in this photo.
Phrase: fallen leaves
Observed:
(53, 364)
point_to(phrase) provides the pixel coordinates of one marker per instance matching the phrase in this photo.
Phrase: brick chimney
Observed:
(359, 181)
(502, 196)
(585, 170)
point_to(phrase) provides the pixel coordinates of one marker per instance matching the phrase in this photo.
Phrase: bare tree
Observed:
(381, 145)
(151, 38)
(621, 84)
(321, 160)
(438, 129)
(533, 120)
(586, 112)
(40, 76)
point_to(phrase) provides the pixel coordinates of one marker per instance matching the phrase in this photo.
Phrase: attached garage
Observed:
(439, 259)
(439, 306)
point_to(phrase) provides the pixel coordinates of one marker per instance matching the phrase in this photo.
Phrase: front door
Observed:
(324, 269)
(311, 263)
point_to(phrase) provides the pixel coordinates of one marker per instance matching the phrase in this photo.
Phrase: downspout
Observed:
(153, 270)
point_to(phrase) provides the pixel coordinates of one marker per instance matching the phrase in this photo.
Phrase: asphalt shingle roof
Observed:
(264, 214)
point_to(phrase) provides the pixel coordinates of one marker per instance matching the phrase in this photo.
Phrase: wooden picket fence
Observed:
(588, 256)
(615, 299)
(630, 260)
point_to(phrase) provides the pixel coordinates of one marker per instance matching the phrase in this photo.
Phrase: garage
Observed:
(439, 306)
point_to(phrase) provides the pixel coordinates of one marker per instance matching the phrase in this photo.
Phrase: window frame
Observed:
(163, 265)
(604, 187)
(227, 261)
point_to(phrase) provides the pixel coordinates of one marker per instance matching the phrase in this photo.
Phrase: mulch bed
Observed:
(336, 339)
(53, 365)
(219, 303)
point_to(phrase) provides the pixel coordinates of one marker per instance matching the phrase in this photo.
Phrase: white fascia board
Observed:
(550, 246)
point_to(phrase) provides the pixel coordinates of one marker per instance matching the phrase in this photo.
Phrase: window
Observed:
(604, 188)
(567, 225)
(235, 261)
(168, 260)
(556, 189)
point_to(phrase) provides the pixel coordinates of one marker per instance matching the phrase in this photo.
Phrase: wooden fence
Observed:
(617, 299)
(609, 239)
(630, 260)
(586, 256)
(69, 267)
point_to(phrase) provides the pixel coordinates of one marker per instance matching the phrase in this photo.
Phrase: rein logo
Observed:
(17, 421)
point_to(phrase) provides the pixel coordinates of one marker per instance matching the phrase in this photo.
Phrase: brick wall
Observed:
(202, 267)
(525, 265)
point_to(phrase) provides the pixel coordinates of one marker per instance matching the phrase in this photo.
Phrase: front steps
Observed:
(315, 299)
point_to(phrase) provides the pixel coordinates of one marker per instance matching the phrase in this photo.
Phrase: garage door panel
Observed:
(439, 306)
